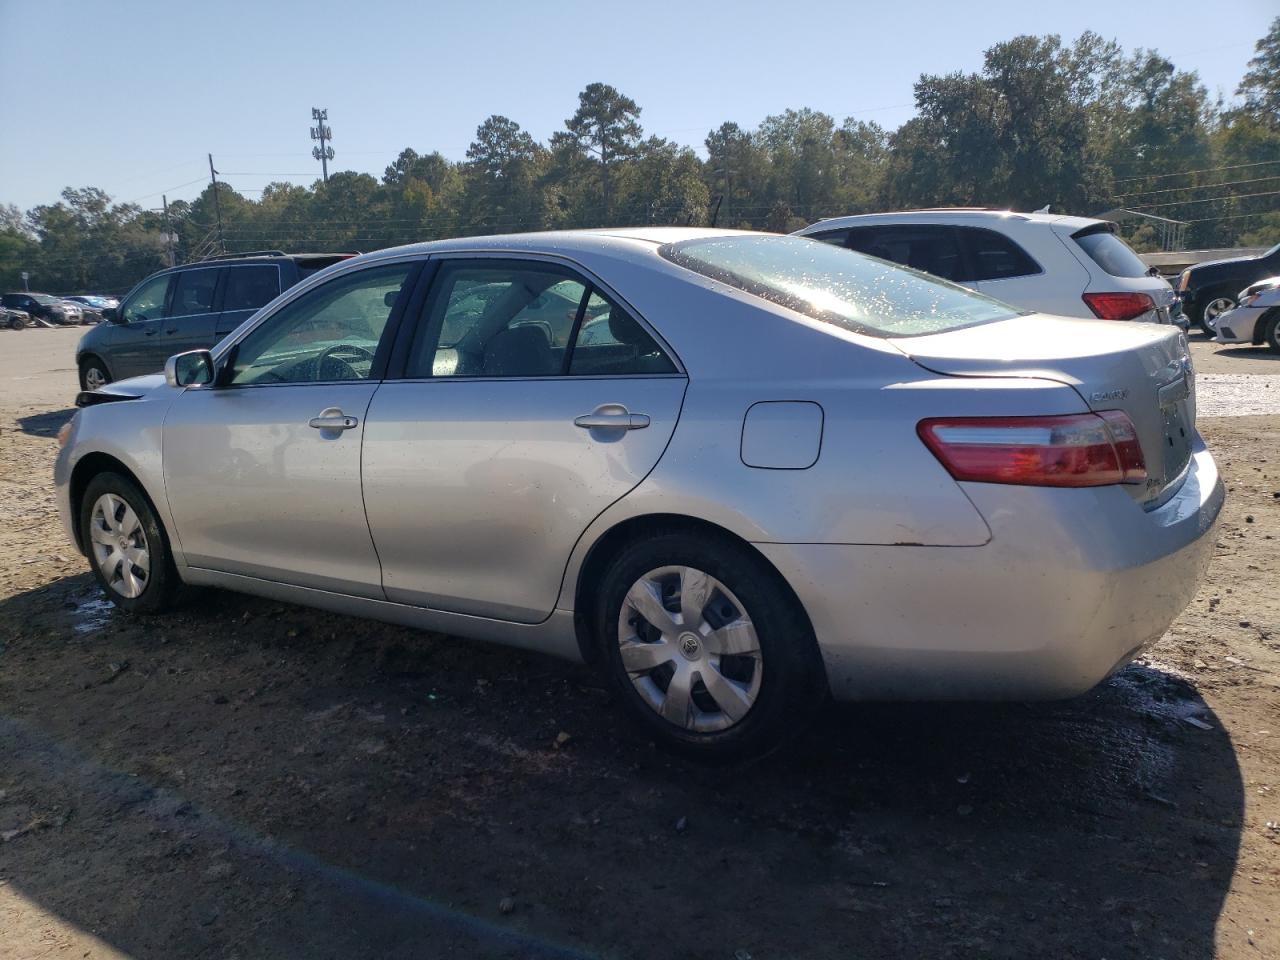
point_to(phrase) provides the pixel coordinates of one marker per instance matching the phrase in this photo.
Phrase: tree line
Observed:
(1081, 127)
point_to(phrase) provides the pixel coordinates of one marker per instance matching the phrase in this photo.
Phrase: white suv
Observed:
(1072, 266)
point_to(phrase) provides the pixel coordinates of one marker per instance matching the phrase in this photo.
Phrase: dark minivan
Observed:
(190, 307)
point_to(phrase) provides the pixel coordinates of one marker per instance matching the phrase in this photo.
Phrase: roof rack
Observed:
(247, 253)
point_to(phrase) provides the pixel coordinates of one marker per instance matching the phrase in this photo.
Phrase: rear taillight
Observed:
(1076, 450)
(1118, 306)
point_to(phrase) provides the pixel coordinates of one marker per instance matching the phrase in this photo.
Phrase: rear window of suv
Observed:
(837, 286)
(1110, 252)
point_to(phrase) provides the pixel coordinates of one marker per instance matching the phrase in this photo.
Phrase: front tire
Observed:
(1271, 332)
(1214, 307)
(126, 545)
(706, 648)
(93, 374)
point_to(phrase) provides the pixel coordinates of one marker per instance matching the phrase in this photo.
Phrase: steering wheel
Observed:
(345, 354)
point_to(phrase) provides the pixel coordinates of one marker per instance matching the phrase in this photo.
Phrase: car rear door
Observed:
(262, 471)
(500, 442)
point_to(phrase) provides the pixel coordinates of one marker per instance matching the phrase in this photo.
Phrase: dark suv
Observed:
(41, 306)
(190, 307)
(1210, 289)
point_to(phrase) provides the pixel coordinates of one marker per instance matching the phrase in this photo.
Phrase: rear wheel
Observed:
(15, 323)
(93, 374)
(1215, 307)
(126, 545)
(706, 648)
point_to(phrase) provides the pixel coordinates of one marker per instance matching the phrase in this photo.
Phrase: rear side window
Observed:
(193, 293)
(993, 256)
(1110, 253)
(610, 342)
(837, 238)
(933, 249)
(249, 288)
(837, 286)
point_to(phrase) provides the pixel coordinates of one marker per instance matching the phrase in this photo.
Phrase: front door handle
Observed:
(611, 416)
(333, 418)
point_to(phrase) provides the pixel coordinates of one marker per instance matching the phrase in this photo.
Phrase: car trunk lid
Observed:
(1140, 368)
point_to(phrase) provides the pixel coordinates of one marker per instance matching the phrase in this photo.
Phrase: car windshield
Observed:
(44, 298)
(848, 289)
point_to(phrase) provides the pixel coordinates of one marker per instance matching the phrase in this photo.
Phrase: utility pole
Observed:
(323, 133)
(170, 238)
(217, 209)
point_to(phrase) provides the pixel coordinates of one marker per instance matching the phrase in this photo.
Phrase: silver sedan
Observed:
(739, 472)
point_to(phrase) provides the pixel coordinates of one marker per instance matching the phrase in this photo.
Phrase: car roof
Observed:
(954, 215)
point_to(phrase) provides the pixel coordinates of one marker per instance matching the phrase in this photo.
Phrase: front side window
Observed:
(837, 286)
(193, 292)
(148, 302)
(994, 256)
(249, 288)
(328, 334)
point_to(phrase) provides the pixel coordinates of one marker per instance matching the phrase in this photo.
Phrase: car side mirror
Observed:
(112, 315)
(191, 369)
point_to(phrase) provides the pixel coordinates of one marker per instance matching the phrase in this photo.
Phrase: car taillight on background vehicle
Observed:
(1118, 306)
(1075, 450)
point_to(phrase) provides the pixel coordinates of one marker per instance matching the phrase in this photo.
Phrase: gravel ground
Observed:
(248, 779)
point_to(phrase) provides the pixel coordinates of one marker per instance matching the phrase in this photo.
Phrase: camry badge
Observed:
(1103, 395)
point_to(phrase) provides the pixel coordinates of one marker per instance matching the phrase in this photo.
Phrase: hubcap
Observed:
(690, 649)
(1215, 308)
(120, 546)
(94, 378)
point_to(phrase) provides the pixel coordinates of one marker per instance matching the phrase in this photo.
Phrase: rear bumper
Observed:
(1073, 584)
(1238, 326)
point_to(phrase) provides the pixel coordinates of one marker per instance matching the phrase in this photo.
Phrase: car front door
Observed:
(139, 338)
(262, 470)
(189, 324)
(508, 433)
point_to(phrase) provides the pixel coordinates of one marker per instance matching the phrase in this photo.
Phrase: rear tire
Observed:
(706, 648)
(93, 374)
(126, 545)
(15, 323)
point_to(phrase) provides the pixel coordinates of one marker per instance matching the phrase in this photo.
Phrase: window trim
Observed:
(225, 357)
(400, 361)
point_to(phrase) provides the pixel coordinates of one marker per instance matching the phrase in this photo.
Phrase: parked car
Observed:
(185, 308)
(93, 306)
(1212, 288)
(1256, 318)
(42, 306)
(88, 315)
(1070, 266)
(14, 319)
(788, 472)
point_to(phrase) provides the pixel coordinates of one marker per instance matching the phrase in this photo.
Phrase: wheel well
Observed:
(90, 466)
(614, 540)
(92, 356)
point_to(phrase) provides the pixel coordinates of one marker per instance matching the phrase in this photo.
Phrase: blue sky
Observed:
(131, 96)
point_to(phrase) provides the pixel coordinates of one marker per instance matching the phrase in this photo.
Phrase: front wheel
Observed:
(706, 648)
(93, 374)
(126, 545)
(1271, 332)
(15, 323)
(1214, 308)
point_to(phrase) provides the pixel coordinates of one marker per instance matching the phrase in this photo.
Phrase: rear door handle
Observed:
(332, 419)
(612, 419)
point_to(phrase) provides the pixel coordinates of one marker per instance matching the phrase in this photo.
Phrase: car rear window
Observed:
(837, 286)
(1111, 253)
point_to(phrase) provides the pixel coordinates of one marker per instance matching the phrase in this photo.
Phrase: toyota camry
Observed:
(741, 473)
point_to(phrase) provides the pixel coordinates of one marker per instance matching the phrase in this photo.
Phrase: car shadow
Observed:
(249, 777)
(45, 424)
(1247, 353)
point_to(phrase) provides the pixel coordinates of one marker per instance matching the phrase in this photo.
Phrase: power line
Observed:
(1187, 173)
(1187, 203)
(1203, 186)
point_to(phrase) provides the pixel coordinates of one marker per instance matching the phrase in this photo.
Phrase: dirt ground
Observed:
(248, 779)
